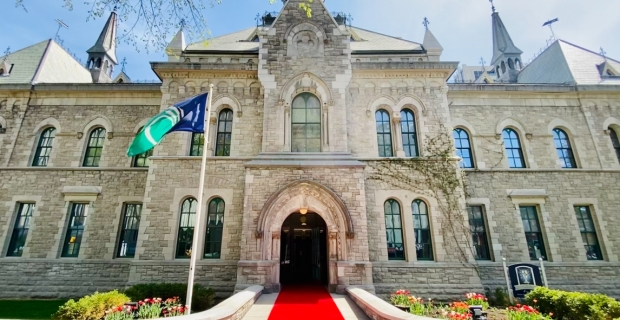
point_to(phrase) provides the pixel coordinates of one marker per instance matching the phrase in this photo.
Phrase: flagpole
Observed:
(197, 223)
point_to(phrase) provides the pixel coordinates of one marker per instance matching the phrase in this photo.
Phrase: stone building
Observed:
(337, 155)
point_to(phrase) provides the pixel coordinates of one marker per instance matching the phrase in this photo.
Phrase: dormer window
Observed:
(1, 72)
(5, 69)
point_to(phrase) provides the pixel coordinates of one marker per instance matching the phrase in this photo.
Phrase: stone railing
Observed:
(234, 307)
(377, 309)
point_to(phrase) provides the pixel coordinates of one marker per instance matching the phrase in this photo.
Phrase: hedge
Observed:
(566, 305)
(202, 298)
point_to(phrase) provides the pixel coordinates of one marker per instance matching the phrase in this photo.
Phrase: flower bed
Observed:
(147, 309)
(460, 310)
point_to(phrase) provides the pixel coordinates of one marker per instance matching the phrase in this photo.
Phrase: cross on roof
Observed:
(425, 22)
(482, 62)
(603, 53)
(182, 23)
(492, 5)
(6, 53)
(123, 63)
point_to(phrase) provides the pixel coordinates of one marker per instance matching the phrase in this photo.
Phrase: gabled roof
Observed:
(564, 62)
(365, 41)
(45, 62)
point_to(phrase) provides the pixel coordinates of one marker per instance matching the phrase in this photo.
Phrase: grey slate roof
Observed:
(366, 41)
(502, 42)
(106, 43)
(566, 63)
(45, 62)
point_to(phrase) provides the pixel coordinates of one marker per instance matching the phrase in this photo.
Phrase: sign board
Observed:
(524, 278)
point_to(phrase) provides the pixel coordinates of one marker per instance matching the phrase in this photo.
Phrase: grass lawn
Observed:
(29, 309)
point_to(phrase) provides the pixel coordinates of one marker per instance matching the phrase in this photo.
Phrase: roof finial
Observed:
(603, 53)
(182, 24)
(492, 5)
(482, 62)
(123, 63)
(425, 22)
(7, 52)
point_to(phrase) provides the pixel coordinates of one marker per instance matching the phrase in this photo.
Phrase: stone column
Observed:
(397, 135)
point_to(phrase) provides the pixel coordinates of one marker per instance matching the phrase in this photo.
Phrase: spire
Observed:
(176, 46)
(106, 43)
(430, 44)
(502, 43)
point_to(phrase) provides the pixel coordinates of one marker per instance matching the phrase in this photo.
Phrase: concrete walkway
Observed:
(262, 308)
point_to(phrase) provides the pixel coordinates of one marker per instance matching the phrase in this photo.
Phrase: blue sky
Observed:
(462, 26)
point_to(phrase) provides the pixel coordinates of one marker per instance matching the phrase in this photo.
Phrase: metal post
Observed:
(197, 222)
(507, 281)
(544, 274)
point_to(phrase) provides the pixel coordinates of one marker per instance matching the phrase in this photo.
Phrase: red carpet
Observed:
(305, 302)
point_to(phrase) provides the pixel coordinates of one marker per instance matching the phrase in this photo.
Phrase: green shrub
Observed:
(91, 307)
(202, 297)
(574, 305)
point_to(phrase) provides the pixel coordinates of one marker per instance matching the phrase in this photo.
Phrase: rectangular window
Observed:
(20, 231)
(588, 233)
(533, 233)
(198, 141)
(478, 230)
(73, 239)
(129, 231)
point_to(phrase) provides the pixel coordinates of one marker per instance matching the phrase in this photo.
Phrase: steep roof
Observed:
(365, 41)
(502, 42)
(45, 62)
(106, 43)
(564, 62)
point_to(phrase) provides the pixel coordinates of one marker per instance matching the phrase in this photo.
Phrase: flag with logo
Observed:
(187, 115)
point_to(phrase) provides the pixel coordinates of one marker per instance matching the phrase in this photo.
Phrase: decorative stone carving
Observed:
(529, 136)
(258, 234)
(110, 135)
(80, 135)
(350, 235)
(306, 44)
(498, 136)
(213, 117)
(333, 235)
(607, 132)
(275, 235)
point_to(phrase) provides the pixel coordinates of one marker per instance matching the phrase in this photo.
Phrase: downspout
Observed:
(19, 127)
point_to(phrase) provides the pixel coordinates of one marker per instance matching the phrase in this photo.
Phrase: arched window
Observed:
(215, 226)
(614, 141)
(185, 235)
(410, 138)
(44, 148)
(306, 124)
(142, 160)
(198, 142)
(94, 148)
(463, 147)
(513, 148)
(563, 147)
(511, 64)
(422, 230)
(503, 67)
(98, 65)
(224, 133)
(384, 133)
(394, 231)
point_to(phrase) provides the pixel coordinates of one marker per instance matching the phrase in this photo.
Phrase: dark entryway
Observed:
(303, 249)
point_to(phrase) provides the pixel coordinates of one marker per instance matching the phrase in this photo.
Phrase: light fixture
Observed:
(303, 210)
(304, 207)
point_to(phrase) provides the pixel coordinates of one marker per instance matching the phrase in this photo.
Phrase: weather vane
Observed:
(61, 24)
(123, 63)
(549, 23)
(492, 5)
(425, 22)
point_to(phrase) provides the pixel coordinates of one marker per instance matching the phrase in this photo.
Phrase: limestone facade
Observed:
(262, 181)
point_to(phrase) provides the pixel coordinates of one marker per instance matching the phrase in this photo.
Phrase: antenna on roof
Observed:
(549, 23)
(61, 24)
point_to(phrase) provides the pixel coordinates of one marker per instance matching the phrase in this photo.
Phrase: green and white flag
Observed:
(188, 115)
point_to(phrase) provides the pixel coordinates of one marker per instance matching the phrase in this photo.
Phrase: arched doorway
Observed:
(303, 249)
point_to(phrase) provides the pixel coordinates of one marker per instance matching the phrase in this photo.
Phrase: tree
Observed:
(157, 20)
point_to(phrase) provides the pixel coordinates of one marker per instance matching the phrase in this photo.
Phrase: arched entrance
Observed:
(303, 249)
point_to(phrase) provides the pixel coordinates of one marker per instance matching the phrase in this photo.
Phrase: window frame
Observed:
(519, 150)
(142, 160)
(393, 245)
(613, 134)
(420, 254)
(411, 149)
(598, 250)
(384, 134)
(191, 220)
(219, 216)
(47, 147)
(306, 123)
(225, 134)
(124, 229)
(96, 158)
(196, 147)
(541, 236)
(482, 235)
(19, 234)
(469, 148)
(74, 251)
(567, 147)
